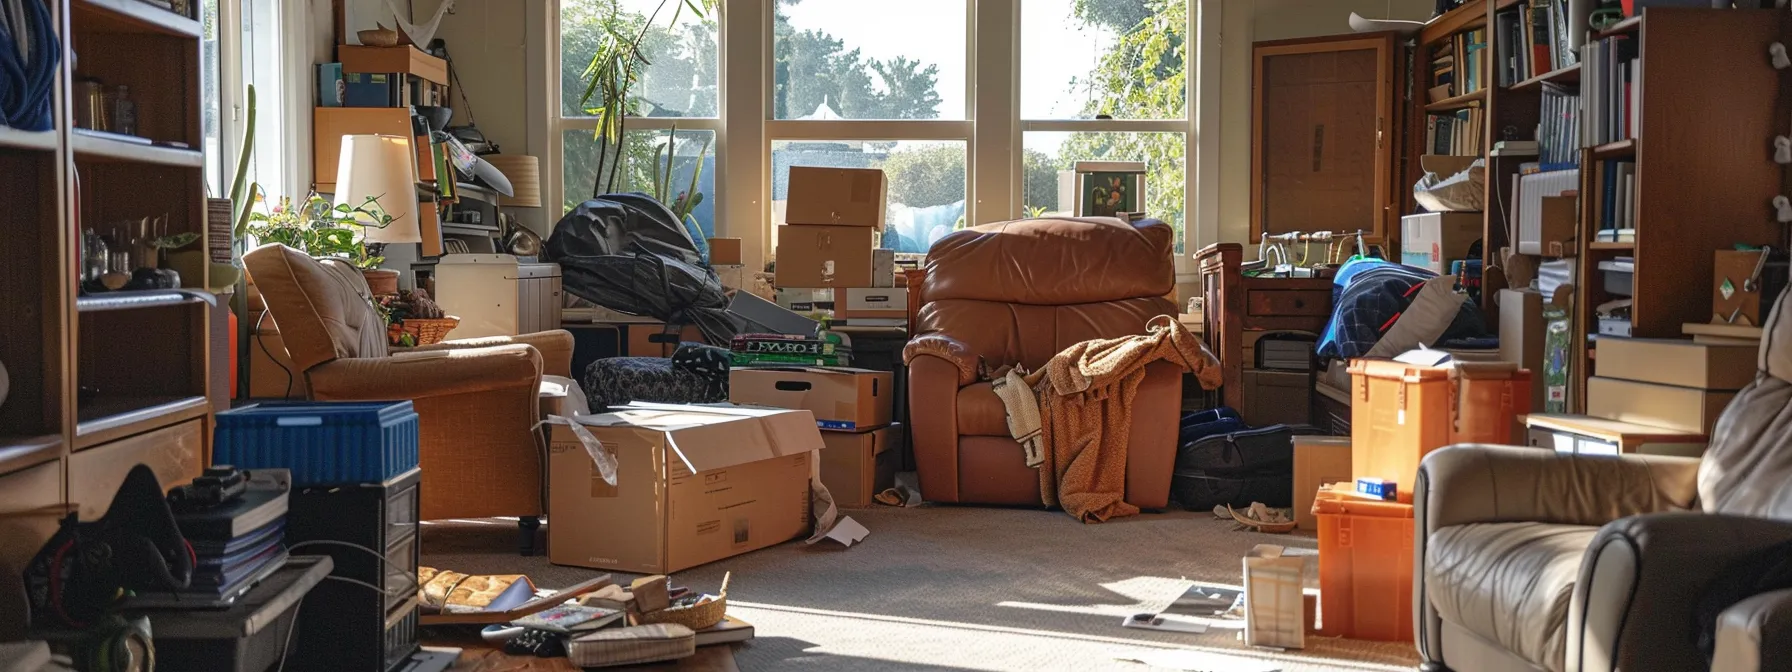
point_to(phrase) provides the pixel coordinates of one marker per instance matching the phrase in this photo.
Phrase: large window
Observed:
(890, 84)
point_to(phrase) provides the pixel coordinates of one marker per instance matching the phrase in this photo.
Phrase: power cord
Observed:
(263, 344)
(385, 561)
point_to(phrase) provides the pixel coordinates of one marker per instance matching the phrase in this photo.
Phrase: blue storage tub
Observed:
(322, 443)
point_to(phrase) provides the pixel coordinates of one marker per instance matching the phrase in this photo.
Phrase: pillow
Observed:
(1425, 319)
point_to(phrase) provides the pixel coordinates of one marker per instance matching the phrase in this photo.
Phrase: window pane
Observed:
(646, 151)
(1049, 158)
(853, 59)
(262, 69)
(680, 46)
(1121, 58)
(926, 181)
(211, 101)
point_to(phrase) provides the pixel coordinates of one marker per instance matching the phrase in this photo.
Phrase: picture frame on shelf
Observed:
(1109, 188)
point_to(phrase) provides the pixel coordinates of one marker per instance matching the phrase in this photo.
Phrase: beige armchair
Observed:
(1534, 560)
(476, 399)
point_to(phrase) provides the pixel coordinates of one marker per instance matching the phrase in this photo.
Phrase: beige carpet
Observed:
(961, 588)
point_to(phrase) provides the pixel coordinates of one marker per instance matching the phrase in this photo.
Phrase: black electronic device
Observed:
(216, 486)
(76, 578)
(370, 530)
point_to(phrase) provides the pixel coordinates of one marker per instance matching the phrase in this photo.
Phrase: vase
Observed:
(381, 281)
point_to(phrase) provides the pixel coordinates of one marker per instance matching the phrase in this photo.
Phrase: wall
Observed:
(1262, 20)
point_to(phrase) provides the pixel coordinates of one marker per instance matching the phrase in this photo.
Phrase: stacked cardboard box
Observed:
(1669, 383)
(828, 243)
(853, 409)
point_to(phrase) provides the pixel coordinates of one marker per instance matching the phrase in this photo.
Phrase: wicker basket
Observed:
(425, 331)
(696, 616)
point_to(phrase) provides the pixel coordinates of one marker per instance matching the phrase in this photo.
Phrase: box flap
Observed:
(717, 437)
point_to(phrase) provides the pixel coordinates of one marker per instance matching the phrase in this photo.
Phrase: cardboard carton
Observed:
(883, 267)
(835, 197)
(841, 399)
(824, 256)
(856, 467)
(1432, 240)
(694, 484)
(1274, 614)
(1676, 362)
(1684, 409)
(1318, 461)
(873, 302)
(1521, 335)
(724, 252)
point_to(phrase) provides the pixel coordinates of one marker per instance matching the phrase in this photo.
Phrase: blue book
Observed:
(331, 89)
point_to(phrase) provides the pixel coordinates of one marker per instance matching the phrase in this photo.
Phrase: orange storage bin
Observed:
(1400, 412)
(1365, 567)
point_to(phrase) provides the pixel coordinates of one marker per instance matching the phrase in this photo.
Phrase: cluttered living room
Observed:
(959, 335)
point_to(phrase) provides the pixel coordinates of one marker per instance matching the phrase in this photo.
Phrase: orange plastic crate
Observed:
(1365, 567)
(1400, 412)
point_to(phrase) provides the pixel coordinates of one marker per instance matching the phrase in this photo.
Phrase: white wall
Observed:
(1262, 20)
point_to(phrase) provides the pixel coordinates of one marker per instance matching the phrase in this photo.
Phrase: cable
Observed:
(386, 562)
(286, 649)
(263, 344)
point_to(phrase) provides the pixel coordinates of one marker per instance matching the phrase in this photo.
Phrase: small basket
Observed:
(696, 616)
(426, 331)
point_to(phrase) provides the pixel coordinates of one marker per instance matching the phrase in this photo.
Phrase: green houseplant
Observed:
(317, 228)
(610, 79)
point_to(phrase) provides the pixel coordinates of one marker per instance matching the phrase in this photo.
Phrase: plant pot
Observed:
(381, 281)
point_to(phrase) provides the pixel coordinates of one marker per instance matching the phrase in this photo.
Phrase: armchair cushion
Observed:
(1496, 484)
(324, 308)
(421, 375)
(554, 345)
(1755, 634)
(1509, 583)
(980, 412)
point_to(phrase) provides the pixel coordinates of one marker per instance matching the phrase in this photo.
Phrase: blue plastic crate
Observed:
(321, 442)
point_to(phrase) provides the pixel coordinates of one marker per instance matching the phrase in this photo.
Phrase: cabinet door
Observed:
(1321, 134)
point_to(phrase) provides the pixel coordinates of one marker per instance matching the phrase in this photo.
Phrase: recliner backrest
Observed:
(1747, 470)
(323, 306)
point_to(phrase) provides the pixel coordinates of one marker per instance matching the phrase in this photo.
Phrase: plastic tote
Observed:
(1400, 412)
(322, 443)
(1365, 567)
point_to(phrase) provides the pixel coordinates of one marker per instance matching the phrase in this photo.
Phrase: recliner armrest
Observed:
(945, 348)
(421, 375)
(1755, 634)
(555, 346)
(1474, 483)
(1635, 603)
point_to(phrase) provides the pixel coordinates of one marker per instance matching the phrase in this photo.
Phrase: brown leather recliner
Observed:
(1534, 560)
(1016, 293)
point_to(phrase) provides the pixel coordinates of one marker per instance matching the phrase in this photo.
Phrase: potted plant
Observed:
(609, 83)
(320, 229)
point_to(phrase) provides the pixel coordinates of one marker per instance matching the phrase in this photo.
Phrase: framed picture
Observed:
(1109, 188)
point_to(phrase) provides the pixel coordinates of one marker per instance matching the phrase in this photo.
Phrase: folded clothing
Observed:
(632, 646)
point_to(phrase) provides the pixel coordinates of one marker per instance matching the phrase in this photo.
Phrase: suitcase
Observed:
(1400, 412)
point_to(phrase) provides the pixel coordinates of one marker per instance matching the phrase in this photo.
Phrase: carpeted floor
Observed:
(961, 588)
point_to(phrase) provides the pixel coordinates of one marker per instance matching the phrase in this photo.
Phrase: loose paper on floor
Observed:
(829, 524)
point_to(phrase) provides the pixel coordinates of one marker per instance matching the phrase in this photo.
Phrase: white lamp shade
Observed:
(380, 167)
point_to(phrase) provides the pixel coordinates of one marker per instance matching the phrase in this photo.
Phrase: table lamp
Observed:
(380, 167)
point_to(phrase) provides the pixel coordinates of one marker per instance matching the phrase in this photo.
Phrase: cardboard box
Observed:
(824, 256)
(841, 399)
(1432, 240)
(1521, 335)
(1683, 409)
(724, 252)
(652, 340)
(799, 300)
(1274, 614)
(733, 276)
(694, 484)
(883, 267)
(856, 467)
(835, 197)
(1318, 461)
(1676, 362)
(873, 302)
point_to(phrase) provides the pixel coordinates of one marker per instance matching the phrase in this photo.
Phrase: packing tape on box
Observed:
(600, 454)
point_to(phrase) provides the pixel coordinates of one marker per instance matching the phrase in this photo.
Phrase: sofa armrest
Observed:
(426, 374)
(933, 386)
(1755, 634)
(1635, 603)
(555, 346)
(945, 349)
(1474, 483)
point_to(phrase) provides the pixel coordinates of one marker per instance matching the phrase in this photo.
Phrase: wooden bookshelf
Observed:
(1564, 75)
(103, 382)
(1703, 183)
(1462, 102)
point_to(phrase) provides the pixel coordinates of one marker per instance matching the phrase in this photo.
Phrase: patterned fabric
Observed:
(1373, 300)
(704, 361)
(619, 380)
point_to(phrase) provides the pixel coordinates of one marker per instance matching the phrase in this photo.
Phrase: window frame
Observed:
(290, 116)
(992, 128)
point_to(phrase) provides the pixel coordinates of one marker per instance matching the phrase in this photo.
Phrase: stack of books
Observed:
(825, 349)
(1558, 131)
(1458, 67)
(1533, 38)
(236, 543)
(1459, 133)
(1617, 201)
(1608, 77)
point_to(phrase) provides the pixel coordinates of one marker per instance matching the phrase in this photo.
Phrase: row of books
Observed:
(336, 88)
(1458, 67)
(1558, 127)
(1459, 133)
(1608, 80)
(1534, 39)
(1617, 201)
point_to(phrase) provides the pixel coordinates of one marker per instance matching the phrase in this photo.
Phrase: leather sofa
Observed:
(1016, 293)
(476, 399)
(1534, 560)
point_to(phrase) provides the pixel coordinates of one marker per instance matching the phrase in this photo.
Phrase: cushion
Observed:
(632, 646)
(1424, 321)
(1509, 583)
(323, 306)
(618, 380)
(1745, 470)
(980, 412)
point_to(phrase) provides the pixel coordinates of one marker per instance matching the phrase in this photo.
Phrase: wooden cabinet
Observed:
(1322, 131)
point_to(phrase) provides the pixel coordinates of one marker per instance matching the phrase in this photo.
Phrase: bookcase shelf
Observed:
(1611, 245)
(135, 16)
(1565, 75)
(1622, 149)
(101, 148)
(12, 138)
(1630, 25)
